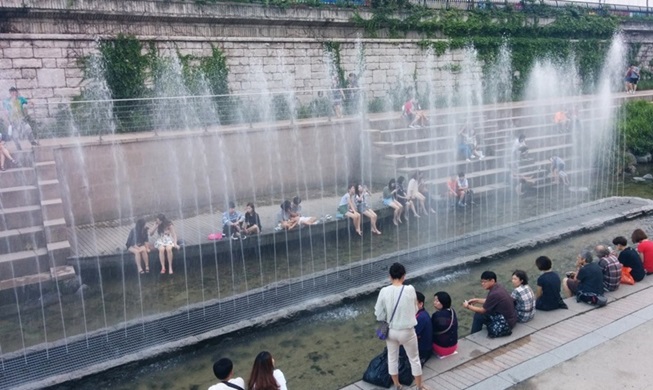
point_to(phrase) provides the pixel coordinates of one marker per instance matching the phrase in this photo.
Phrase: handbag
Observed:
(626, 277)
(384, 327)
(453, 313)
(498, 326)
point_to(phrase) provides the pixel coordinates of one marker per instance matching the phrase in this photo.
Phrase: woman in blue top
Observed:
(348, 208)
(137, 244)
(389, 200)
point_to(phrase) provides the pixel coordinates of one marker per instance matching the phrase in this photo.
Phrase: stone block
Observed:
(73, 82)
(47, 52)
(51, 78)
(66, 63)
(42, 93)
(20, 44)
(5, 63)
(28, 73)
(26, 83)
(27, 63)
(11, 74)
(4, 44)
(66, 92)
(74, 72)
(18, 52)
(378, 76)
(49, 63)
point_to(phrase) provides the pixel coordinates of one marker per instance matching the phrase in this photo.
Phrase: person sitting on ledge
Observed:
(587, 278)
(558, 170)
(285, 220)
(363, 207)
(347, 208)
(523, 296)
(445, 326)
(519, 147)
(165, 242)
(629, 257)
(463, 190)
(296, 212)
(610, 266)
(548, 287)
(414, 117)
(389, 200)
(412, 193)
(252, 222)
(223, 369)
(645, 249)
(137, 243)
(4, 155)
(232, 221)
(402, 198)
(498, 301)
(423, 330)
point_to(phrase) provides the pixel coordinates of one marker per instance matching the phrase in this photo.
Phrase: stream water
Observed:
(331, 348)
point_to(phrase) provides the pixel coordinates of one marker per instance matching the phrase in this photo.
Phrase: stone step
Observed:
(49, 189)
(13, 177)
(25, 157)
(19, 196)
(44, 153)
(23, 263)
(46, 170)
(16, 240)
(52, 209)
(59, 252)
(55, 230)
(20, 217)
(56, 274)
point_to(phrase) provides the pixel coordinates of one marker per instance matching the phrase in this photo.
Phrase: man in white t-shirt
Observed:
(224, 371)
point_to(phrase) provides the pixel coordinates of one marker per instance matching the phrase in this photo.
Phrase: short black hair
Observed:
(13, 89)
(444, 298)
(397, 271)
(587, 256)
(620, 240)
(543, 263)
(222, 368)
(297, 200)
(420, 297)
(522, 276)
(461, 174)
(232, 205)
(489, 275)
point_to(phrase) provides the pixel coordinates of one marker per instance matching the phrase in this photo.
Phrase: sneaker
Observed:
(235, 236)
(601, 301)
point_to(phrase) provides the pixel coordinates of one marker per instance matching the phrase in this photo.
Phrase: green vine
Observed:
(333, 49)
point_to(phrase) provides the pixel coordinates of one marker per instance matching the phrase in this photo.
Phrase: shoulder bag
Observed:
(384, 327)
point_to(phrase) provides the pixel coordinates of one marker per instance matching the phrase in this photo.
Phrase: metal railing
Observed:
(160, 114)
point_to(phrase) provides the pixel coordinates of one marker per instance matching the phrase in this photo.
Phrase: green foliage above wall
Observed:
(636, 126)
(126, 66)
(534, 31)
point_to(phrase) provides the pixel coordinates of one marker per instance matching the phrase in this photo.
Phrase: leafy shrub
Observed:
(636, 126)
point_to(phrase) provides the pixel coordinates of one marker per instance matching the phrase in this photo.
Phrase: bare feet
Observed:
(376, 232)
(360, 233)
(171, 272)
(395, 222)
(163, 270)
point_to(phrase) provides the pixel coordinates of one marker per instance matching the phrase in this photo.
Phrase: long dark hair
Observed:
(250, 204)
(164, 223)
(140, 231)
(391, 183)
(262, 377)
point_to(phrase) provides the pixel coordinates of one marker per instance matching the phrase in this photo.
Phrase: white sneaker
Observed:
(468, 160)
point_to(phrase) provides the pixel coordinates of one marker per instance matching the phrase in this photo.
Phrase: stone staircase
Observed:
(33, 234)
(401, 150)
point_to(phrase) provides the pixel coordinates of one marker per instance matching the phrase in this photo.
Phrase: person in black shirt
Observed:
(629, 258)
(548, 287)
(252, 223)
(587, 279)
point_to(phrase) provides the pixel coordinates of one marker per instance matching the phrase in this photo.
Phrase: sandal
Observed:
(163, 271)
(147, 270)
(140, 271)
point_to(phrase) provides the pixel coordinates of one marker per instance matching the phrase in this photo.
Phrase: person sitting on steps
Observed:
(389, 200)
(463, 191)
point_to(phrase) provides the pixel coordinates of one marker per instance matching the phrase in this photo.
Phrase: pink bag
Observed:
(215, 236)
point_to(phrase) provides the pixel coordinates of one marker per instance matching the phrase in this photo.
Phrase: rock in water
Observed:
(648, 176)
(639, 179)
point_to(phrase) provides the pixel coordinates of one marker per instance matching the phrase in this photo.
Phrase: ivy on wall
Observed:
(533, 31)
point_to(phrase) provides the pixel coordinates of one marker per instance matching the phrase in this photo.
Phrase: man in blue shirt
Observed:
(424, 330)
(231, 222)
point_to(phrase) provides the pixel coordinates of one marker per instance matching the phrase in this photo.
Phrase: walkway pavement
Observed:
(597, 345)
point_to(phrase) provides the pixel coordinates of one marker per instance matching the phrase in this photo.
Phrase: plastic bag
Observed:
(377, 371)
(626, 277)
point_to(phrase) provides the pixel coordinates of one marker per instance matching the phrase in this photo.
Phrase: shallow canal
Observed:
(331, 348)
